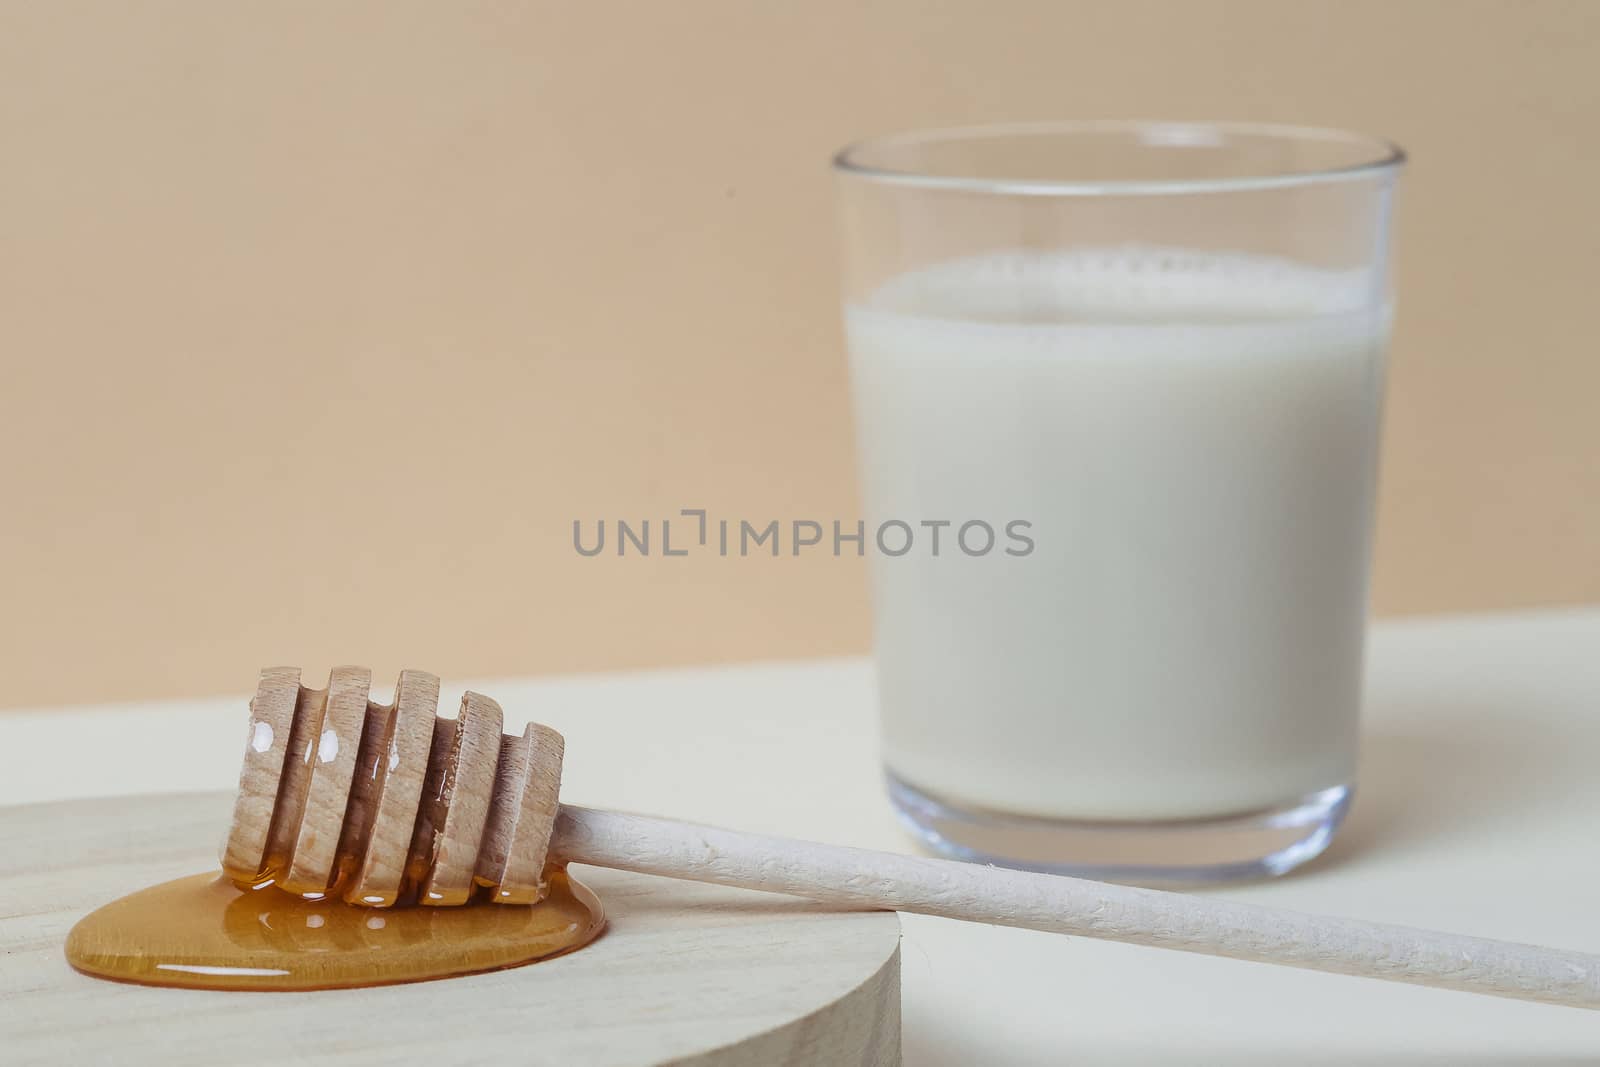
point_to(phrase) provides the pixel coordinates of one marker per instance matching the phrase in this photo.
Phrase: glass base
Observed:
(1259, 844)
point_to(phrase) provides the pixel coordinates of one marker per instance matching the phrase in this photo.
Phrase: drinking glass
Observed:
(1148, 359)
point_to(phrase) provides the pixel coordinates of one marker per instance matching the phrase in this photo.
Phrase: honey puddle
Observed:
(203, 932)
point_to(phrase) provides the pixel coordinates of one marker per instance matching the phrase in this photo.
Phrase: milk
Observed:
(1192, 438)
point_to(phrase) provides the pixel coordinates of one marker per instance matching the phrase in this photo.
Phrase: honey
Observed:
(205, 932)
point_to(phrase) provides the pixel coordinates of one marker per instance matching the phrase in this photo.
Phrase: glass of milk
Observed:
(1148, 358)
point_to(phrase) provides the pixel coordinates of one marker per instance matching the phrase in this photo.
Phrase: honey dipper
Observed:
(387, 804)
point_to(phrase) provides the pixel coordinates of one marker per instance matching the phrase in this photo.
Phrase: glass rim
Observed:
(1385, 157)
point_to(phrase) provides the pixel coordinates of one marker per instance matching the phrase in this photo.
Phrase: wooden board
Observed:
(686, 973)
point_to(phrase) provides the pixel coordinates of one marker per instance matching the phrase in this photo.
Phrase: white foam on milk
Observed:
(1123, 283)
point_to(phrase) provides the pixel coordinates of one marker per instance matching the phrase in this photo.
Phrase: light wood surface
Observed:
(688, 973)
(1475, 813)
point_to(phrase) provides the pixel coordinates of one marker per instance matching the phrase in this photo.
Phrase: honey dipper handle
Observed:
(859, 878)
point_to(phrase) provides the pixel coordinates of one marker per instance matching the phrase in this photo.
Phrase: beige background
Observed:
(321, 322)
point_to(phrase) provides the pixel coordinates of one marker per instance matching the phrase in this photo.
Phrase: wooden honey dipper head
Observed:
(384, 804)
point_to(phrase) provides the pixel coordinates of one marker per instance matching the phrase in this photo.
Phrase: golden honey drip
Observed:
(203, 932)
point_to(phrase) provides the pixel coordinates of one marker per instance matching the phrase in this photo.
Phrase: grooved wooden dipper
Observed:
(386, 804)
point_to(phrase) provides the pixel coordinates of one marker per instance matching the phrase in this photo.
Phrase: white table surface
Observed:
(1478, 811)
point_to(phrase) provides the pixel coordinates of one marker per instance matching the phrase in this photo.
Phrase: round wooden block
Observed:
(685, 973)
